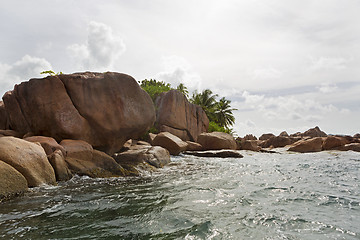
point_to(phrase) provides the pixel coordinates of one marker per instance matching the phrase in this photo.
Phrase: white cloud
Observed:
(24, 69)
(178, 70)
(269, 73)
(324, 63)
(101, 49)
(327, 87)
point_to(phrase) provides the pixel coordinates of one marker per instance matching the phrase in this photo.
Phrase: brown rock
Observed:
(217, 141)
(57, 161)
(178, 116)
(170, 142)
(314, 132)
(266, 136)
(151, 138)
(48, 143)
(284, 134)
(279, 141)
(249, 137)
(10, 133)
(29, 159)
(357, 135)
(193, 146)
(250, 145)
(3, 117)
(332, 142)
(145, 158)
(77, 149)
(103, 109)
(11, 181)
(308, 145)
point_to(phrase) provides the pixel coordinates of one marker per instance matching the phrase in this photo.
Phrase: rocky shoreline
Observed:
(92, 124)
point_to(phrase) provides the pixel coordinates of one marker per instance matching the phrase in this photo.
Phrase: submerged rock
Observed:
(216, 154)
(29, 159)
(103, 109)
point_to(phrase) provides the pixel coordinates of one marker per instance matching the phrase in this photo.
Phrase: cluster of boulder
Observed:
(312, 140)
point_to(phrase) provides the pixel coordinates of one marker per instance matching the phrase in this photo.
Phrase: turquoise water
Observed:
(261, 196)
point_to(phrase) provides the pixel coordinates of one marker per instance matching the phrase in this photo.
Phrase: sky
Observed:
(285, 65)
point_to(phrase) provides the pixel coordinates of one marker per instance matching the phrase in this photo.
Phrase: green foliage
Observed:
(214, 127)
(183, 89)
(223, 113)
(154, 88)
(207, 100)
(51, 73)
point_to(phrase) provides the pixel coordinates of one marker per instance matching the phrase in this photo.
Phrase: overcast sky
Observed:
(286, 65)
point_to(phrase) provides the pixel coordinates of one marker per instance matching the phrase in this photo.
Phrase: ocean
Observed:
(261, 196)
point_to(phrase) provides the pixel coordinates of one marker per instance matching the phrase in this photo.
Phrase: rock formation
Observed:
(11, 181)
(175, 114)
(103, 109)
(170, 142)
(217, 141)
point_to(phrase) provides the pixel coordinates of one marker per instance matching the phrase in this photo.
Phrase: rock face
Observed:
(331, 142)
(57, 161)
(103, 109)
(82, 159)
(193, 146)
(3, 116)
(279, 141)
(11, 181)
(250, 145)
(175, 114)
(249, 137)
(314, 132)
(154, 156)
(29, 159)
(266, 136)
(217, 141)
(48, 143)
(308, 145)
(170, 142)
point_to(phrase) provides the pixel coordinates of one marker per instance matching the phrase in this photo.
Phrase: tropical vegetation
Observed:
(219, 112)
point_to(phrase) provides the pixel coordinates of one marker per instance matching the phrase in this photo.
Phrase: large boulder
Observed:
(277, 141)
(3, 116)
(145, 159)
(307, 145)
(266, 136)
(332, 142)
(314, 132)
(349, 147)
(82, 159)
(215, 154)
(103, 109)
(175, 114)
(193, 146)
(29, 159)
(57, 161)
(11, 181)
(250, 145)
(217, 141)
(48, 143)
(170, 142)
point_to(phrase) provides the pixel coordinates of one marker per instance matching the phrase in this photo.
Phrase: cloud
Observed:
(327, 87)
(267, 73)
(101, 49)
(24, 69)
(323, 63)
(178, 70)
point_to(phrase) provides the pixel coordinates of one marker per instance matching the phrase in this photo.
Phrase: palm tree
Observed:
(181, 88)
(223, 113)
(207, 100)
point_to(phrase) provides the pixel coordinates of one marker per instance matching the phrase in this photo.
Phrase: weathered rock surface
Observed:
(29, 159)
(57, 161)
(284, 134)
(332, 142)
(250, 145)
(249, 137)
(357, 135)
(175, 114)
(10, 133)
(349, 147)
(278, 141)
(11, 181)
(193, 146)
(216, 154)
(217, 141)
(145, 158)
(3, 117)
(266, 136)
(103, 109)
(48, 143)
(170, 142)
(314, 132)
(307, 145)
(82, 159)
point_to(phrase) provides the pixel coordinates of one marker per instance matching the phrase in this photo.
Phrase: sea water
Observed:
(261, 196)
